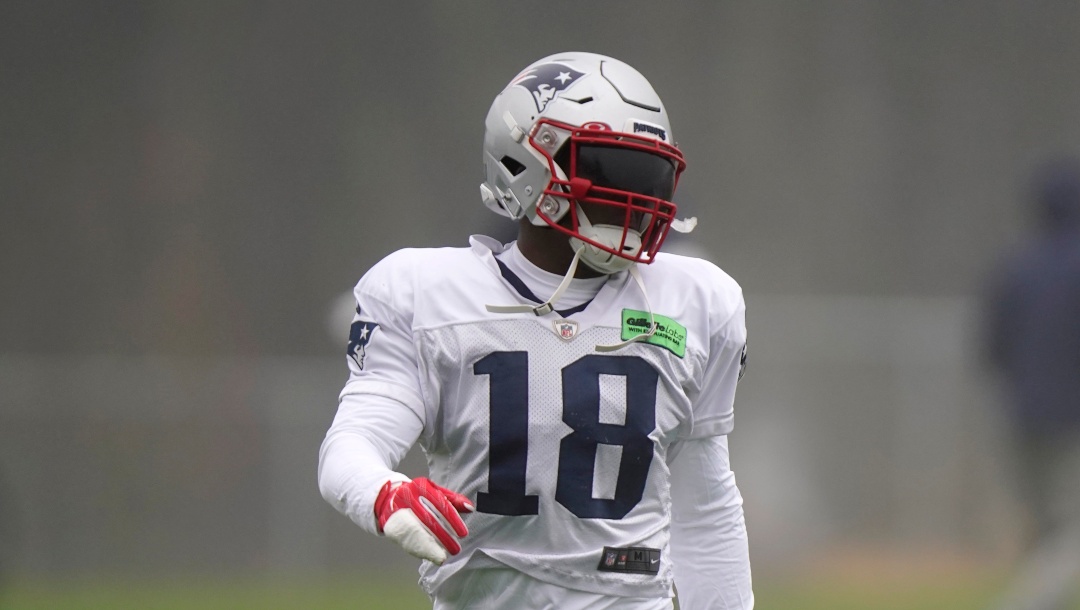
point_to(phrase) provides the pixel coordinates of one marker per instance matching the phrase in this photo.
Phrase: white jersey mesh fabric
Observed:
(562, 449)
(554, 544)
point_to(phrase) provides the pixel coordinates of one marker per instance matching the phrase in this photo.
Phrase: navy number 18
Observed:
(509, 435)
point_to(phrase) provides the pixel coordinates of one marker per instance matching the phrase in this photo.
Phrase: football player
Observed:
(572, 390)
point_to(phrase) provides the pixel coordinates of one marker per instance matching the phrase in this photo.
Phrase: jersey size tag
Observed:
(633, 559)
(669, 333)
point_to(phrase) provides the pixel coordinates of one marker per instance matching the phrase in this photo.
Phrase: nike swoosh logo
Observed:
(654, 561)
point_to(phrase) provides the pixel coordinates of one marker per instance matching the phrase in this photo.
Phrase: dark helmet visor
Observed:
(626, 169)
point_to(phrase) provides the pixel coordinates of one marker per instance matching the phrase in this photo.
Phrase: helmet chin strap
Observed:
(648, 307)
(606, 262)
(548, 306)
(601, 261)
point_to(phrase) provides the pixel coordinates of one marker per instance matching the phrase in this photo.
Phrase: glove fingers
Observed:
(436, 528)
(450, 513)
(448, 503)
(423, 502)
(460, 502)
(437, 497)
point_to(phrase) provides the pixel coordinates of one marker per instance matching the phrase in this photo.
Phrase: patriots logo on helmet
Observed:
(359, 337)
(545, 81)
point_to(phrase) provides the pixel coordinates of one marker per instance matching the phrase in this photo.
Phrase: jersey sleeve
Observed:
(381, 353)
(714, 405)
(380, 410)
(368, 438)
(709, 547)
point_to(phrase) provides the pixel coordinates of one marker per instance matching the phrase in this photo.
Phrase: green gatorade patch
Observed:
(669, 333)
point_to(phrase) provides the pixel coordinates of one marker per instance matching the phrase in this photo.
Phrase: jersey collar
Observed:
(486, 249)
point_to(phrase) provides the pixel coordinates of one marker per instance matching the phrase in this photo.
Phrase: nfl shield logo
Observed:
(609, 558)
(566, 329)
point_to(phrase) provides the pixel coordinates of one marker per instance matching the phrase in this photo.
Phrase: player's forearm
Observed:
(365, 443)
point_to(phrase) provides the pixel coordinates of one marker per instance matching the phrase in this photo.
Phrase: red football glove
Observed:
(403, 511)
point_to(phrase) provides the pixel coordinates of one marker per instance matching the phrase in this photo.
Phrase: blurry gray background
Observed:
(186, 189)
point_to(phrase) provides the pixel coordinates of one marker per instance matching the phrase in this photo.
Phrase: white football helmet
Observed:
(584, 128)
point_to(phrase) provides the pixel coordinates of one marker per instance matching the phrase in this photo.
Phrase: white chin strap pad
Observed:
(610, 236)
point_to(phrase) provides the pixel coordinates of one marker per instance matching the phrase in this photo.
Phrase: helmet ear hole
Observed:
(512, 165)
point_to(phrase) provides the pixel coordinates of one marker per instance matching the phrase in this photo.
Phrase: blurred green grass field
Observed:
(395, 592)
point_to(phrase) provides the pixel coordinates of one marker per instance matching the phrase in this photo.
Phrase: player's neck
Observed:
(549, 250)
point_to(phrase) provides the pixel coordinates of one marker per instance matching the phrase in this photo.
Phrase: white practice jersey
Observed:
(562, 448)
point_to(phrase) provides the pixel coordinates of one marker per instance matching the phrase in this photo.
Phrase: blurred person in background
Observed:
(581, 437)
(1033, 342)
